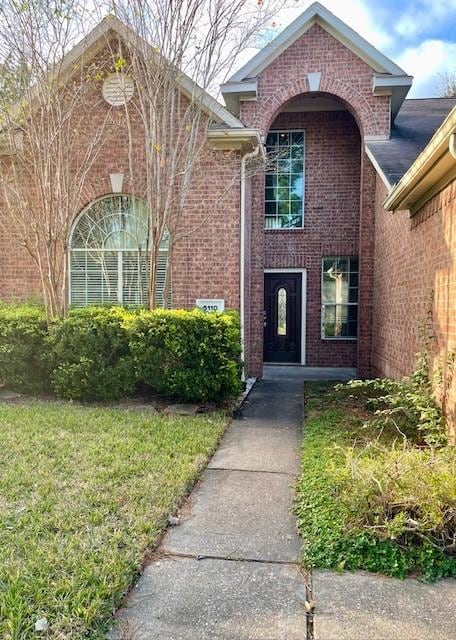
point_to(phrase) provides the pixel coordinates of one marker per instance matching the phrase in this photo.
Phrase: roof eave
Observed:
(435, 164)
(395, 86)
(235, 92)
(317, 13)
(241, 139)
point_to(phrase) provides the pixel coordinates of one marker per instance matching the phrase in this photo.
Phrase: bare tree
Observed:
(448, 84)
(177, 52)
(50, 147)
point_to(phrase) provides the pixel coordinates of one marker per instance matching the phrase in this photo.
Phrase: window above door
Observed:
(284, 180)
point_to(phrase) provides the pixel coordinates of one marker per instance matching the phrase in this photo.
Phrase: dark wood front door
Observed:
(282, 317)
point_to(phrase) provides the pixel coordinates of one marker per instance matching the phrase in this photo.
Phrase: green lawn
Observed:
(368, 498)
(83, 493)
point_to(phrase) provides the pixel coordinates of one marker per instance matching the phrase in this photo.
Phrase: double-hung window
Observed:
(284, 181)
(339, 297)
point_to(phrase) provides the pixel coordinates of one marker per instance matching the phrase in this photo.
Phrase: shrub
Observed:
(90, 354)
(191, 355)
(408, 404)
(23, 330)
(370, 499)
(404, 493)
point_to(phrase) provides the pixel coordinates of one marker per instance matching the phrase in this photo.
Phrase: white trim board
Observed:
(303, 273)
(317, 13)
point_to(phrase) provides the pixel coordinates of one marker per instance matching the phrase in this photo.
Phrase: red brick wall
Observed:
(339, 206)
(206, 254)
(343, 74)
(415, 280)
(331, 218)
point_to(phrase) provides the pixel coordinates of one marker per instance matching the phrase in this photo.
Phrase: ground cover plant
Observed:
(84, 492)
(376, 492)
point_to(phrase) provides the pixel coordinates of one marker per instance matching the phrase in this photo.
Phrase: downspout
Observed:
(245, 157)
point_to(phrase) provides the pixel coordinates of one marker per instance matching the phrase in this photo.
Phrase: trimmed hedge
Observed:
(190, 355)
(23, 330)
(91, 355)
(104, 353)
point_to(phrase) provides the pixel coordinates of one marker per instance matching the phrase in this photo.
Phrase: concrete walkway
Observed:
(229, 571)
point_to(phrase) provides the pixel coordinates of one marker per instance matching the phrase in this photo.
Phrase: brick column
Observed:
(366, 266)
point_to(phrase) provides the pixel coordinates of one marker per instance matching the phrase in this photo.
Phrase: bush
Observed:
(23, 330)
(408, 404)
(190, 355)
(91, 356)
(370, 499)
(102, 353)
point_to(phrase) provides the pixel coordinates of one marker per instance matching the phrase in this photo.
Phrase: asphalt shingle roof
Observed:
(415, 124)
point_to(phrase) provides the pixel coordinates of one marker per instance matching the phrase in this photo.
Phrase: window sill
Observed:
(339, 339)
(285, 229)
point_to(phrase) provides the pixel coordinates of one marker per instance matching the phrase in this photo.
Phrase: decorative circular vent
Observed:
(118, 89)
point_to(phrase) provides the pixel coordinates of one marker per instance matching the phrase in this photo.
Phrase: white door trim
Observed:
(303, 273)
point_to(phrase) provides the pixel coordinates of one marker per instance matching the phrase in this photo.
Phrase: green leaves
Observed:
(407, 405)
(23, 330)
(191, 355)
(91, 356)
(104, 353)
(367, 498)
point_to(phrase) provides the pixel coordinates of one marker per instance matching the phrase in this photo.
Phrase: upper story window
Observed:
(339, 292)
(284, 181)
(110, 254)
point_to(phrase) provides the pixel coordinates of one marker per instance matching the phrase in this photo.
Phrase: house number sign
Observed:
(210, 304)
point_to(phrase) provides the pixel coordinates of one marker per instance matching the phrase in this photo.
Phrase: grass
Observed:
(84, 492)
(361, 487)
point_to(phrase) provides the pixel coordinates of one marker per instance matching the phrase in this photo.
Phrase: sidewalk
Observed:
(229, 571)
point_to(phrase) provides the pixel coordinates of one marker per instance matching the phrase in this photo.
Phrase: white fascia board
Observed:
(317, 13)
(382, 81)
(249, 86)
(234, 139)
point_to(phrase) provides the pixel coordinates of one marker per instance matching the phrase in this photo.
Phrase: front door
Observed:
(282, 317)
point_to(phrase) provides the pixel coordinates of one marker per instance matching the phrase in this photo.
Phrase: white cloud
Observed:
(425, 62)
(354, 12)
(419, 17)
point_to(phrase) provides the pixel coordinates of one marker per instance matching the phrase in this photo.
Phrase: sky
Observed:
(419, 35)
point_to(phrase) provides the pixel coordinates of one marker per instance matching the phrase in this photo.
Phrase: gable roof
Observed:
(94, 42)
(388, 76)
(317, 14)
(415, 124)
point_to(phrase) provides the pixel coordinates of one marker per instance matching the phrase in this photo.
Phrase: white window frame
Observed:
(289, 229)
(70, 250)
(345, 304)
(303, 273)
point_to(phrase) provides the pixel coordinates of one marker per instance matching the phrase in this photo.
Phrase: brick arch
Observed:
(354, 101)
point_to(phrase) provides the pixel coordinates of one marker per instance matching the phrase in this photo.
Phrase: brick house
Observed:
(333, 254)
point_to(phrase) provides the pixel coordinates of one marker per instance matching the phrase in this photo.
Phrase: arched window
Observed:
(110, 254)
